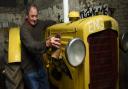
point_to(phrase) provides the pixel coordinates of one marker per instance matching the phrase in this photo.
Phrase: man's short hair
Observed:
(29, 6)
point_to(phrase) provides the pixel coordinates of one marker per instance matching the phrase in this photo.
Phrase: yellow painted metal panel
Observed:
(14, 49)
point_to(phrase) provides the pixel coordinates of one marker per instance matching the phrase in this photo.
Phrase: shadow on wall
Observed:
(123, 69)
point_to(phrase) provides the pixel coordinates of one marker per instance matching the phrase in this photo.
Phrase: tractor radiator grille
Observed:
(103, 54)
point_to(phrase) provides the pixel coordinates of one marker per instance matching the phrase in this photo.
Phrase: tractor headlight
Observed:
(124, 42)
(75, 52)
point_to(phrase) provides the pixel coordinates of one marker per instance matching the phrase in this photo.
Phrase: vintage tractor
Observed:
(89, 55)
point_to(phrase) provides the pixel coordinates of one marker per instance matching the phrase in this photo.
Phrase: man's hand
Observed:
(53, 42)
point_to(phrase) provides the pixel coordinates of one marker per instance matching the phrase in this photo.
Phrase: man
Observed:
(31, 35)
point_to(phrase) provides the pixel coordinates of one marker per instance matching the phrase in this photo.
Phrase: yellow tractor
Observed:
(88, 57)
(89, 54)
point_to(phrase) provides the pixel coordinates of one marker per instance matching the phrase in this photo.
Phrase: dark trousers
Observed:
(37, 79)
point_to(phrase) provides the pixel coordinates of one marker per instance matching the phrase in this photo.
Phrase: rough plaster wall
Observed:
(92, 3)
(6, 19)
(74, 5)
(52, 12)
(55, 9)
(50, 9)
(11, 15)
(122, 17)
(46, 3)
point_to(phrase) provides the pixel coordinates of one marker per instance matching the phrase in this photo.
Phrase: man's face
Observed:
(32, 16)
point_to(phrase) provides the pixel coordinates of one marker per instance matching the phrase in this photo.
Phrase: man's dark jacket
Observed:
(33, 44)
